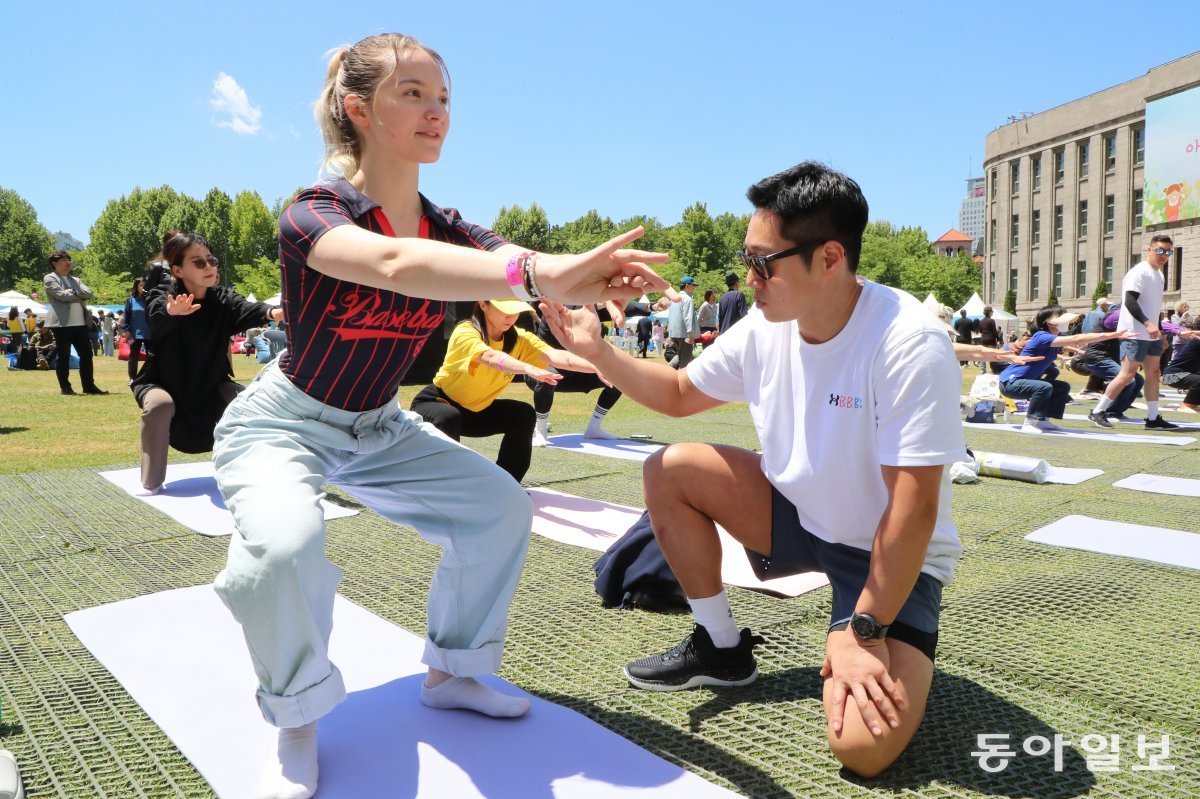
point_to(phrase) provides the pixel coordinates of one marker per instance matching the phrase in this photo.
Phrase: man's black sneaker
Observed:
(695, 662)
(1100, 419)
(1118, 417)
(1159, 423)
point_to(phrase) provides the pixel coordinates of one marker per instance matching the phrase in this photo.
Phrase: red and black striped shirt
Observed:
(350, 345)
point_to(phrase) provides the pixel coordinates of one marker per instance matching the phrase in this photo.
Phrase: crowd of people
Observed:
(840, 375)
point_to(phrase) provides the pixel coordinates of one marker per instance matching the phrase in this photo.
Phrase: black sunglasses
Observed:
(200, 262)
(758, 263)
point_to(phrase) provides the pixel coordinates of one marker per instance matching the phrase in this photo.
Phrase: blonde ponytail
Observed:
(357, 70)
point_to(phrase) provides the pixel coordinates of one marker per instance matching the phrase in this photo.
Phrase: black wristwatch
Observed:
(866, 628)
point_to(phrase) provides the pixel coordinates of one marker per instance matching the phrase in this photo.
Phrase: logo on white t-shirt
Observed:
(845, 401)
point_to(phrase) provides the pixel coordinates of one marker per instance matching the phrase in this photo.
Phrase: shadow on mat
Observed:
(383, 742)
(957, 712)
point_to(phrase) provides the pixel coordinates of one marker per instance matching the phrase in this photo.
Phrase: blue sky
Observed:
(626, 107)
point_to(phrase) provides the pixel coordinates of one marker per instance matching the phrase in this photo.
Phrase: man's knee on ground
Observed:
(866, 755)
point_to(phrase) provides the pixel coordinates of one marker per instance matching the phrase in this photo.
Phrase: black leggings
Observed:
(571, 383)
(512, 418)
(135, 351)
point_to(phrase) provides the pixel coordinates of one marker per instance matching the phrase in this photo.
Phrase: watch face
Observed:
(863, 626)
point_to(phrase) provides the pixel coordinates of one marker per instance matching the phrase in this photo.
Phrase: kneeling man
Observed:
(854, 391)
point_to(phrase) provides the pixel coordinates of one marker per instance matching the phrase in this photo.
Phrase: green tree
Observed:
(886, 248)
(525, 228)
(1101, 291)
(126, 234)
(253, 232)
(183, 214)
(586, 232)
(25, 244)
(1010, 302)
(656, 238)
(260, 278)
(213, 225)
(697, 248)
(281, 203)
(1052, 299)
(731, 233)
(952, 280)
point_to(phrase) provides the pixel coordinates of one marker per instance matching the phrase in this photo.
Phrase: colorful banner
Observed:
(1172, 172)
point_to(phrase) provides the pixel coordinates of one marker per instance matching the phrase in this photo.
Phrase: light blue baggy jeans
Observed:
(275, 447)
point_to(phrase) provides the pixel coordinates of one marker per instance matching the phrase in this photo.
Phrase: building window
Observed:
(1058, 223)
(1012, 280)
(1139, 145)
(992, 286)
(1083, 219)
(1110, 213)
(1060, 168)
(993, 184)
(1083, 160)
(1015, 177)
(1016, 222)
(1037, 227)
(1081, 278)
(1058, 280)
(1035, 274)
(1137, 208)
(1108, 263)
(1036, 167)
(992, 236)
(1110, 153)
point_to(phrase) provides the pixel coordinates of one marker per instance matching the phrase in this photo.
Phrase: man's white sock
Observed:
(542, 425)
(467, 693)
(593, 429)
(1151, 409)
(292, 772)
(1102, 405)
(713, 614)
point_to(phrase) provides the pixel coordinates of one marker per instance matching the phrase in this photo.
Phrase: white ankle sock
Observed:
(593, 429)
(467, 693)
(1103, 404)
(713, 614)
(542, 425)
(1151, 409)
(292, 772)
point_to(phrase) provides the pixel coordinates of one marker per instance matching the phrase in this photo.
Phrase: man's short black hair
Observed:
(815, 203)
(732, 279)
(1161, 237)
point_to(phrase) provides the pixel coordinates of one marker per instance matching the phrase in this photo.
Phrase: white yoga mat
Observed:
(190, 497)
(182, 657)
(1160, 484)
(607, 448)
(1090, 435)
(597, 525)
(1158, 544)
(1030, 470)
(1082, 417)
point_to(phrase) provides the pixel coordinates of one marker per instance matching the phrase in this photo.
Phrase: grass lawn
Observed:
(1035, 640)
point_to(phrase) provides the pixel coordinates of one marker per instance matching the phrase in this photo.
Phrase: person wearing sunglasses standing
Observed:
(368, 265)
(188, 378)
(854, 392)
(1142, 289)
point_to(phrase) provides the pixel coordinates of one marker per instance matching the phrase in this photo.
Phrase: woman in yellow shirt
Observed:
(483, 355)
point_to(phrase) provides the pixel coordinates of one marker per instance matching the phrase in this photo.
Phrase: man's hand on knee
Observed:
(860, 671)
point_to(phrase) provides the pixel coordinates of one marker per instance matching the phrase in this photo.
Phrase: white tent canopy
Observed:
(276, 300)
(10, 298)
(974, 306)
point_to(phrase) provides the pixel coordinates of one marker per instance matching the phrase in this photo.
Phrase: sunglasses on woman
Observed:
(759, 263)
(200, 263)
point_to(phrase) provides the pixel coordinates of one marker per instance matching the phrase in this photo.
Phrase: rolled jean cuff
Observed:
(305, 707)
(463, 662)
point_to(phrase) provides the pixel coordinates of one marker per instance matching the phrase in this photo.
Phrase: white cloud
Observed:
(230, 98)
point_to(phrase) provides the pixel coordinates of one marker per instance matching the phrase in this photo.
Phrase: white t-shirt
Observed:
(1148, 282)
(883, 392)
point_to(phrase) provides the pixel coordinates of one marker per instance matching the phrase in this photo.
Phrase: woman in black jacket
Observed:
(188, 378)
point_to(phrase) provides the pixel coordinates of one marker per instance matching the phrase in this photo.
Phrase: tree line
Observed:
(242, 233)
